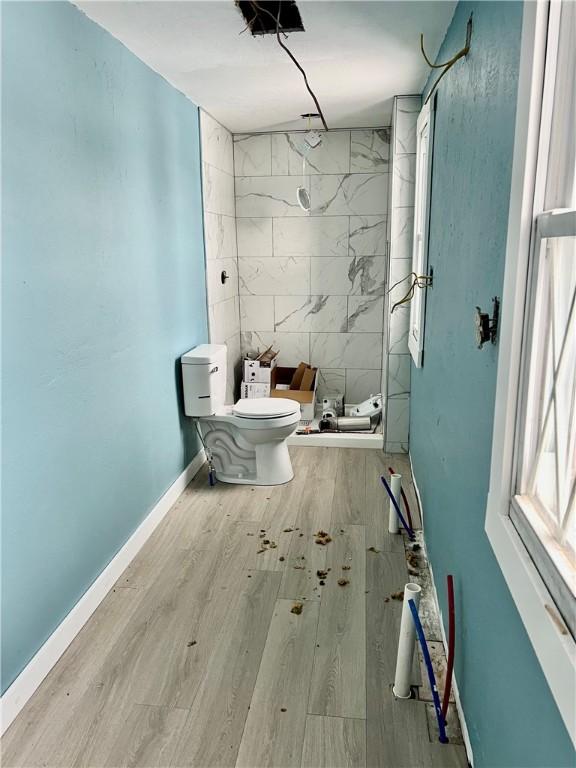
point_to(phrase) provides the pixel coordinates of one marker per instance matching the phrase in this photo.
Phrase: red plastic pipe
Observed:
(451, 643)
(405, 500)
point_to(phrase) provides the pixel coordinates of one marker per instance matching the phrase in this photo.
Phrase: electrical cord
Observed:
(419, 281)
(447, 64)
(254, 4)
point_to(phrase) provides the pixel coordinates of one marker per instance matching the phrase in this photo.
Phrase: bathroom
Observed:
(195, 578)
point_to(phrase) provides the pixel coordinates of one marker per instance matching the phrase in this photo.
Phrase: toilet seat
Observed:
(263, 408)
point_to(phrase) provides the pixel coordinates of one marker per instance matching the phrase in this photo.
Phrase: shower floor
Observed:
(367, 440)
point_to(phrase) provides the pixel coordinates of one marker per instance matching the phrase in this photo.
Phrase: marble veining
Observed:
(402, 233)
(219, 236)
(274, 277)
(397, 419)
(399, 324)
(405, 116)
(351, 193)
(310, 313)
(313, 285)
(218, 188)
(331, 156)
(407, 109)
(331, 381)
(368, 235)
(311, 236)
(268, 196)
(365, 314)
(346, 350)
(370, 150)
(360, 384)
(404, 180)
(216, 144)
(252, 155)
(220, 243)
(293, 347)
(398, 375)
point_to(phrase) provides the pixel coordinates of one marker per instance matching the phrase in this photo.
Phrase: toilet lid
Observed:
(265, 407)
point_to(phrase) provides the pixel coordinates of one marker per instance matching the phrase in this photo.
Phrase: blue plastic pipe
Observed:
(409, 530)
(431, 677)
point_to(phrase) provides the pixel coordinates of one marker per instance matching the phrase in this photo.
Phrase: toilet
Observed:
(246, 441)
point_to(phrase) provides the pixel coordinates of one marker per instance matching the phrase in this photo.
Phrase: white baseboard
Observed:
(457, 699)
(40, 665)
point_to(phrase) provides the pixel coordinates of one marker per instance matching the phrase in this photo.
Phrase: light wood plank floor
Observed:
(195, 658)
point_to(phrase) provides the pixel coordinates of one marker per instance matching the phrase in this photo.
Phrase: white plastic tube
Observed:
(396, 488)
(406, 643)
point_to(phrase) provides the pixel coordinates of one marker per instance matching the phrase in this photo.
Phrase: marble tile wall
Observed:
(396, 374)
(220, 243)
(314, 284)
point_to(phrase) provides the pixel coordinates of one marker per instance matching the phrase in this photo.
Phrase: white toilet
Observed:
(246, 441)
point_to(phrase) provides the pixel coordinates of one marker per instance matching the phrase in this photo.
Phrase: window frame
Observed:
(553, 644)
(423, 185)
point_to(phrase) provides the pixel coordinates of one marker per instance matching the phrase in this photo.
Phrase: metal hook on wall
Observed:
(447, 64)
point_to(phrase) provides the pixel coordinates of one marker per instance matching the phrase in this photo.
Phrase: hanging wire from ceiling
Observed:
(284, 47)
(447, 64)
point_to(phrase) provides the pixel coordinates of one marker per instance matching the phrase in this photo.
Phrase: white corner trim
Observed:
(463, 724)
(46, 657)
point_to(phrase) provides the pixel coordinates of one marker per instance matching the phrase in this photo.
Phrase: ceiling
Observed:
(357, 55)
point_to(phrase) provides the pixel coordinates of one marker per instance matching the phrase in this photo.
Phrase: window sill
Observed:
(553, 644)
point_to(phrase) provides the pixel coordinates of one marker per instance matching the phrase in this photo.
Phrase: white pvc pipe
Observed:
(406, 643)
(396, 488)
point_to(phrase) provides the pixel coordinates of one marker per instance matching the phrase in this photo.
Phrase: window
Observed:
(531, 512)
(420, 243)
(543, 504)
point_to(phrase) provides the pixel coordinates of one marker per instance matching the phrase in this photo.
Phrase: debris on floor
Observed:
(281, 558)
(346, 567)
(191, 643)
(322, 538)
(287, 530)
(373, 549)
(397, 595)
(343, 582)
(297, 608)
(322, 574)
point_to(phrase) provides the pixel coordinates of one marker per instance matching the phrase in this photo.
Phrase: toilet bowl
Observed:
(246, 442)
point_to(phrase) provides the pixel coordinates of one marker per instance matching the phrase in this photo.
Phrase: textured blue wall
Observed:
(511, 716)
(103, 289)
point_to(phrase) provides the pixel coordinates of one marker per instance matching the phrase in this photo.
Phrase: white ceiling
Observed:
(357, 56)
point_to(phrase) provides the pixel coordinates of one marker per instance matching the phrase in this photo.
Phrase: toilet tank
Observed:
(204, 379)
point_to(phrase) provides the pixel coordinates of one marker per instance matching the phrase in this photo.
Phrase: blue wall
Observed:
(103, 289)
(511, 716)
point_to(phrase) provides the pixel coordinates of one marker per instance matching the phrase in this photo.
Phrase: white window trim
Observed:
(423, 179)
(554, 647)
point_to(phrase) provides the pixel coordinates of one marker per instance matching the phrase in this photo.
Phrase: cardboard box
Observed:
(281, 377)
(258, 372)
(251, 389)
